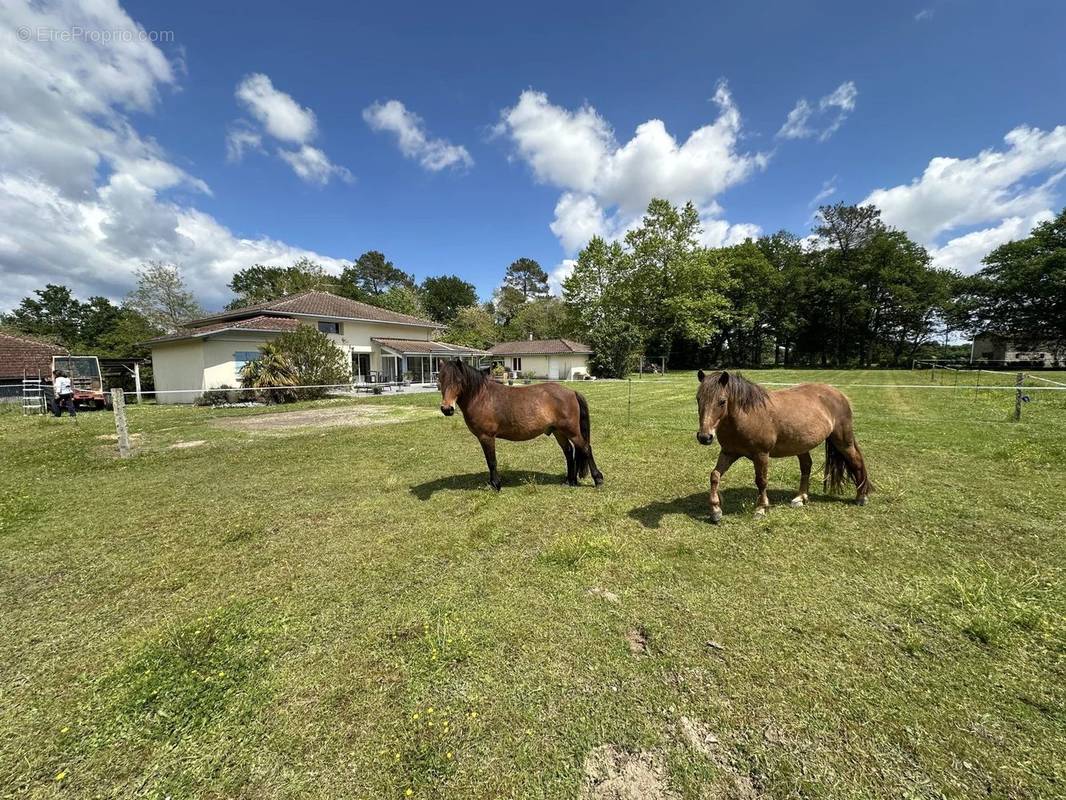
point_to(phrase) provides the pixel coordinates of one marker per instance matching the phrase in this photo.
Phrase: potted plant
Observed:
(527, 376)
(498, 373)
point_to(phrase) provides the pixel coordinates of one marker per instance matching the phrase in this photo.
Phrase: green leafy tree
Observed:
(473, 326)
(161, 297)
(261, 284)
(675, 290)
(54, 313)
(1021, 291)
(544, 318)
(506, 303)
(444, 295)
(401, 299)
(616, 346)
(751, 284)
(528, 278)
(372, 274)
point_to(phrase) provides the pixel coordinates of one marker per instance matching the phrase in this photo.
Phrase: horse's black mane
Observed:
(745, 393)
(470, 380)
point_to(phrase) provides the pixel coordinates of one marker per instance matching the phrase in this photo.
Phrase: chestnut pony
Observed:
(519, 413)
(750, 422)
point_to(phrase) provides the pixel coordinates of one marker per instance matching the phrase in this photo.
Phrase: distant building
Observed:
(543, 358)
(382, 346)
(24, 357)
(1000, 351)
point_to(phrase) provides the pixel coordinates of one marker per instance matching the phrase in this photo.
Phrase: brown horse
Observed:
(750, 422)
(518, 414)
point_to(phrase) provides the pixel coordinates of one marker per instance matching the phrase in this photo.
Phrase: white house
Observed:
(544, 358)
(382, 345)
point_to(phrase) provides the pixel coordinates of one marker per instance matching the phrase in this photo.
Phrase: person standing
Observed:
(63, 393)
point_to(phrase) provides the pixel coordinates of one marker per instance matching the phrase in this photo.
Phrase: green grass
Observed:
(274, 615)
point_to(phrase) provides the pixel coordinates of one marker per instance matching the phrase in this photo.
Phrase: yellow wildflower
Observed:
(61, 775)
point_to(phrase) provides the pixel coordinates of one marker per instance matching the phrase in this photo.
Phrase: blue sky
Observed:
(521, 130)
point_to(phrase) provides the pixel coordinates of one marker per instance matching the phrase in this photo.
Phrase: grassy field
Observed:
(252, 609)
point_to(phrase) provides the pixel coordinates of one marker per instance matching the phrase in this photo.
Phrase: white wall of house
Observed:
(178, 365)
(560, 366)
(209, 362)
(355, 337)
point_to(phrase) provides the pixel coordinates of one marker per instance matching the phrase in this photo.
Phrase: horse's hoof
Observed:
(495, 485)
(797, 502)
(716, 515)
(598, 481)
(861, 501)
(760, 512)
(572, 484)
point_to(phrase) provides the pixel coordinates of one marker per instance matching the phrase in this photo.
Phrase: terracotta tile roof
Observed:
(436, 348)
(21, 355)
(320, 304)
(537, 347)
(259, 324)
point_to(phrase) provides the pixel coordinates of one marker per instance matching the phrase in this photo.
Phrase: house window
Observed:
(516, 364)
(329, 327)
(242, 357)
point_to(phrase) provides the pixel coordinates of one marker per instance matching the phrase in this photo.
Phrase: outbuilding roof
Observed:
(319, 304)
(260, 324)
(21, 356)
(537, 347)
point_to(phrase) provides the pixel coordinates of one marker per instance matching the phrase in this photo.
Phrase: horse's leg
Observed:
(571, 464)
(725, 461)
(805, 480)
(762, 469)
(488, 444)
(858, 466)
(583, 451)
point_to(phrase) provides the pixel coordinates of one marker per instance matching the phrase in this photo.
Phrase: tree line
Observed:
(856, 292)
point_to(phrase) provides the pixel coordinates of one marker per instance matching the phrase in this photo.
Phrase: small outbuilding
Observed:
(555, 359)
(23, 357)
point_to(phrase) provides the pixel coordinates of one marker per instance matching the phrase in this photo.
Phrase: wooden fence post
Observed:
(1018, 381)
(118, 403)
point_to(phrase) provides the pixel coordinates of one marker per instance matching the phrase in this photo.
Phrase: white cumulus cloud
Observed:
(412, 137)
(999, 190)
(285, 120)
(84, 197)
(822, 119)
(281, 116)
(607, 184)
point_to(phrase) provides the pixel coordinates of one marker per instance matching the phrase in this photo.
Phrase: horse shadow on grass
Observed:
(511, 479)
(735, 500)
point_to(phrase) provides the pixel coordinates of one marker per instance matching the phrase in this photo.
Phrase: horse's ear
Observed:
(723, 378)
(700, 376)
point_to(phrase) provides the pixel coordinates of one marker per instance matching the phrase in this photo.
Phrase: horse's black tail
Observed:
(838, 470)
(836, 467)
(580, 458)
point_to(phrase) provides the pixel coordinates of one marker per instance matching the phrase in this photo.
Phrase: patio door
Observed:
(360, 367)
(390, 368)
(420, 367)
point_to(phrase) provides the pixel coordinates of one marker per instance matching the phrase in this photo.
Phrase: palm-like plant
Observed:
(271, 370)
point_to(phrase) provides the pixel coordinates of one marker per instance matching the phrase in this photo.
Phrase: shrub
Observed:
(303, 357)
(220, 395)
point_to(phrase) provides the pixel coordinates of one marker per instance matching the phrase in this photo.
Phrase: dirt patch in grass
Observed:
(637, 639)
(282, 421)
(187, 445)
(613, 773)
